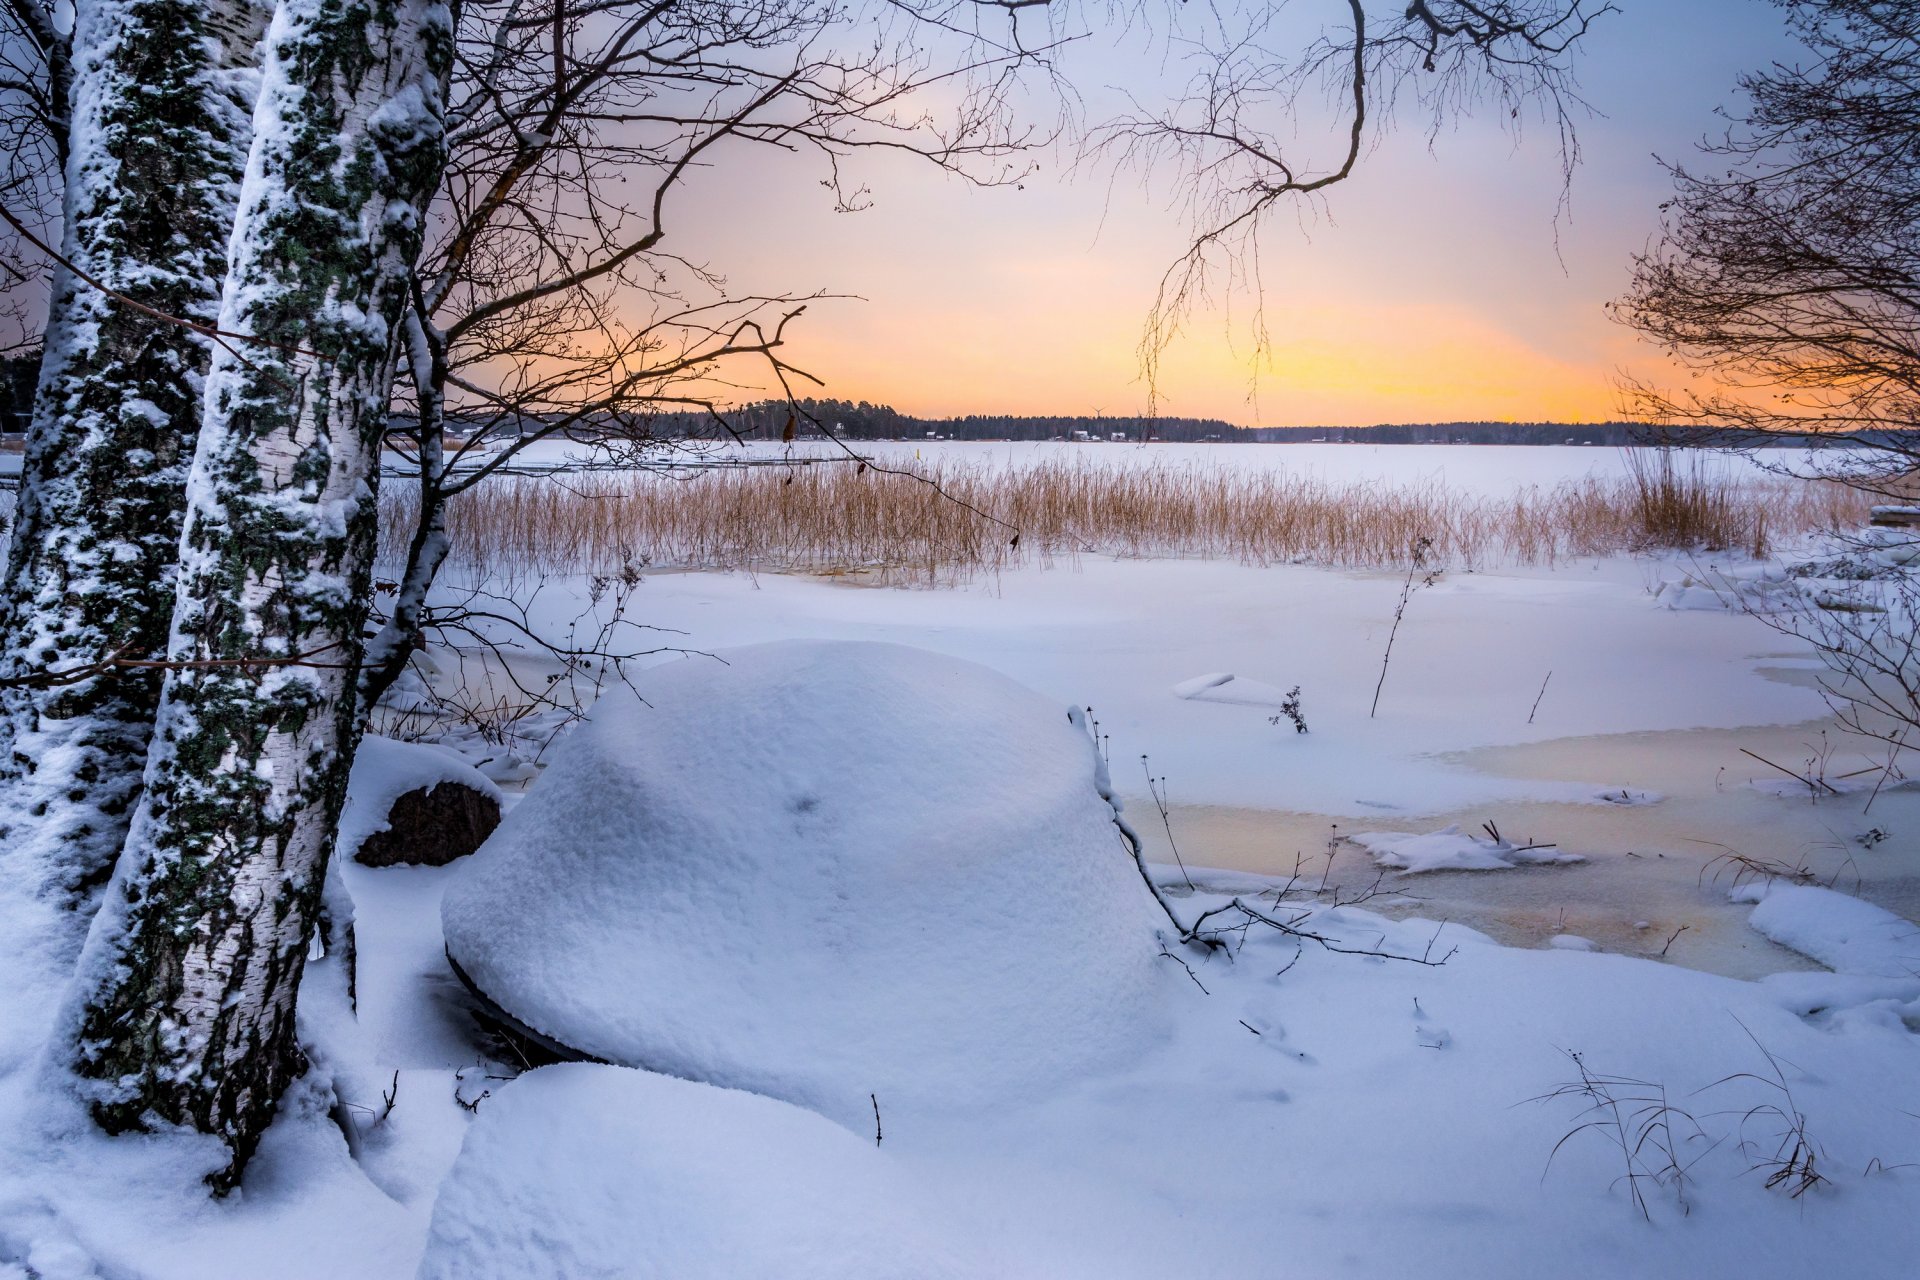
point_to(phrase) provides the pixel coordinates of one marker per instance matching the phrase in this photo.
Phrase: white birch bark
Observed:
(190, 976)
(160, 113)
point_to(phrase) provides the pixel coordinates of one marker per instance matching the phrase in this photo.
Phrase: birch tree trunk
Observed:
(160, 116)
(191, 972)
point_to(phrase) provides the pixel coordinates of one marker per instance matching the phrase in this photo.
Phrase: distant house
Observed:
(1117, 435)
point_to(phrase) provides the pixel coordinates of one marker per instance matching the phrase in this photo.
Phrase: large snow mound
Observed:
(577, 1172)
(820, 871)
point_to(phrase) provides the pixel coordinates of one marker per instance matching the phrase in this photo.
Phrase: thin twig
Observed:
(1812, 784)
(1160, 803)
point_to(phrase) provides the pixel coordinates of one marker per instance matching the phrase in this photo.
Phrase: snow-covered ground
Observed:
(1268, 1108)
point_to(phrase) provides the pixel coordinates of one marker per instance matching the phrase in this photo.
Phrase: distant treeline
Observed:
(859, 420)
(774, 419)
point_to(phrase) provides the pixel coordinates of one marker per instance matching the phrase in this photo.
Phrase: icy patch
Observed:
(1221, 686)
(1451, 849)
(1628, 797)
(383, 771)
(576, 1170)
(1817, 784)
(1572, 942)
(819, 871)
(1838, 930)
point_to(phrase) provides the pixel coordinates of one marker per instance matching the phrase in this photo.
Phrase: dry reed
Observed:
(831, 518)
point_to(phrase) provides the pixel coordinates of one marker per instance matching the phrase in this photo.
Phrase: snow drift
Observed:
(820, 871)
(1222, 686)
(1451, 849)
(1840, 931)
(581, 1171)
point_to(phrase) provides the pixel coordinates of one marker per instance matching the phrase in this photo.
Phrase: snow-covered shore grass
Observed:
(948, 518)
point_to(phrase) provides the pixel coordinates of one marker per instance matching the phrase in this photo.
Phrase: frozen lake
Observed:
(1476, 469)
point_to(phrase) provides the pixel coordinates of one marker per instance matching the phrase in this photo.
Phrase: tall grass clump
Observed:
(1683, 501)
(948, 521)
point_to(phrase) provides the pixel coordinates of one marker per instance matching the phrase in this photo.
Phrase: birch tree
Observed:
(155, 138)
(192, 968)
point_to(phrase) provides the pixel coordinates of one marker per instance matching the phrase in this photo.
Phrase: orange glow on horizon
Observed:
(1329, 365)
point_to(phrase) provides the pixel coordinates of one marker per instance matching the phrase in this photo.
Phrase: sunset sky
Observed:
(1437, 284)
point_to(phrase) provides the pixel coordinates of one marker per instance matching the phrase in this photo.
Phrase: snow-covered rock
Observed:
(386, 771)
(431, 826)
(577, 1172)
(820, 871)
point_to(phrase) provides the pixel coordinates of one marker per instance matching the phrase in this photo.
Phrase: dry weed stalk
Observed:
(1653, 1138)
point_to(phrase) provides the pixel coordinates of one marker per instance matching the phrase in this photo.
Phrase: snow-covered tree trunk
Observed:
(191, 971)
(160, 114)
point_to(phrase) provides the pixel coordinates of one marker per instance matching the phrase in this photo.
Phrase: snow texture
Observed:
(820, 871)
(1840, 931)
(1759, 589)
(1220, 686)
(577, 1172)
(1451, 849)
(384, 770)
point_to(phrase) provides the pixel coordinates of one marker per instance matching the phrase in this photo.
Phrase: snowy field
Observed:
(887, 996)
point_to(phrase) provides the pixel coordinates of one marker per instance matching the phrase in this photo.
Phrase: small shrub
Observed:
(1290, 711)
